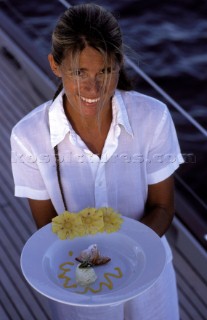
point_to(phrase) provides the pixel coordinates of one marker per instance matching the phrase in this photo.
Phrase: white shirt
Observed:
(141, 148)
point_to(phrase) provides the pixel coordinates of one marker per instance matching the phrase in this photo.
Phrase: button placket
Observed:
(101, 198)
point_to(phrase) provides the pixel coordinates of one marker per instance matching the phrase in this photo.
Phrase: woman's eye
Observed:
(78, 73)
(106, 71)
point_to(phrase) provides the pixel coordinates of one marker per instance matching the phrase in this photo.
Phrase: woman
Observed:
(99, 143)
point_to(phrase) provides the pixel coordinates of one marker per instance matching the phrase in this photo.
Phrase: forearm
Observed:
(42, 211)
(158, 219)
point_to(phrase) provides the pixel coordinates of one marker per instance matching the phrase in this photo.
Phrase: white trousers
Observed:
(157, 303)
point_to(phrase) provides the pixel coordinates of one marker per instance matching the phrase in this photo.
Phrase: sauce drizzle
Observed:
(66, 268)
(64, 276)
(108, 282)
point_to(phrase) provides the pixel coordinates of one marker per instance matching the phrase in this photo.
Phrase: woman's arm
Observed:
(42, 211)
(159, 209)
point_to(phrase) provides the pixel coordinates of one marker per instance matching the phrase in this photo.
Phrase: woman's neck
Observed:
(92, 130)
(91, 123)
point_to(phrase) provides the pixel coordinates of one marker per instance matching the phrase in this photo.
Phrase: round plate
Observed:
(137, 260)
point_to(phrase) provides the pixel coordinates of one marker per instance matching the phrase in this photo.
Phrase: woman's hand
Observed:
(159, 209)
(42, 211)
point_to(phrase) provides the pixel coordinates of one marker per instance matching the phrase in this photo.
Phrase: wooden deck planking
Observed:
(192, 285)
(189, 300)
(19, 95)
(18, 299)
(8, 310)
(195, 285)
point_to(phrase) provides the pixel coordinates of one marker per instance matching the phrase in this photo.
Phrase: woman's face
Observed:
(90, 84)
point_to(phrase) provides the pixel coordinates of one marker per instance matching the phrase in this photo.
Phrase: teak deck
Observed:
(20, 93)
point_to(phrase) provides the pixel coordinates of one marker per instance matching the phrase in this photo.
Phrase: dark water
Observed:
(168, 40)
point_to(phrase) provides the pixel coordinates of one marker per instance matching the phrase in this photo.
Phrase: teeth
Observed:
(90, 100)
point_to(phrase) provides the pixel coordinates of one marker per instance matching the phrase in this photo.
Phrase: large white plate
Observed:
(48, 262)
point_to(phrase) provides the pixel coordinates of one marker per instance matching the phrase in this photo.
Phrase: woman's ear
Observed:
(54, 66)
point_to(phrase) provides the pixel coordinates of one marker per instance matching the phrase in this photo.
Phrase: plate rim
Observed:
(98, 300)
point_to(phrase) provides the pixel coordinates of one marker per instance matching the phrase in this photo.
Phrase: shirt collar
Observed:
(120, 116)
(60, 126)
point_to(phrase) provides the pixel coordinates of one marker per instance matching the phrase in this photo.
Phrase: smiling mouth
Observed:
(90, 100)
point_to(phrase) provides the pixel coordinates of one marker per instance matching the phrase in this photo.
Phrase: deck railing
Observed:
(177, 106)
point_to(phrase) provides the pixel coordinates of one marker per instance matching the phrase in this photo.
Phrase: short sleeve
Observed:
(27, 177)
(164, 155)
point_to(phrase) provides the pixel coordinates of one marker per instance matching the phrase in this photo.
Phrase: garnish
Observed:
(85, 264)
(89, 221)
(92, 256)
(112, 220)
(68, 225)
(92, 220)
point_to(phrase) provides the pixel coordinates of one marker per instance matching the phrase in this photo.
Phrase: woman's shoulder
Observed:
(143, 109)
(135, 100)
(36, 118)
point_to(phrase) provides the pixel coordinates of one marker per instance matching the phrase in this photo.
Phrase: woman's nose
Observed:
(93, 84)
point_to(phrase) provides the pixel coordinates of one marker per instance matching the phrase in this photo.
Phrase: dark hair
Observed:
(89, 25)
(81, 26)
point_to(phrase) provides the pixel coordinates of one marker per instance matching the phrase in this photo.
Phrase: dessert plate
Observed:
(137, 260)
